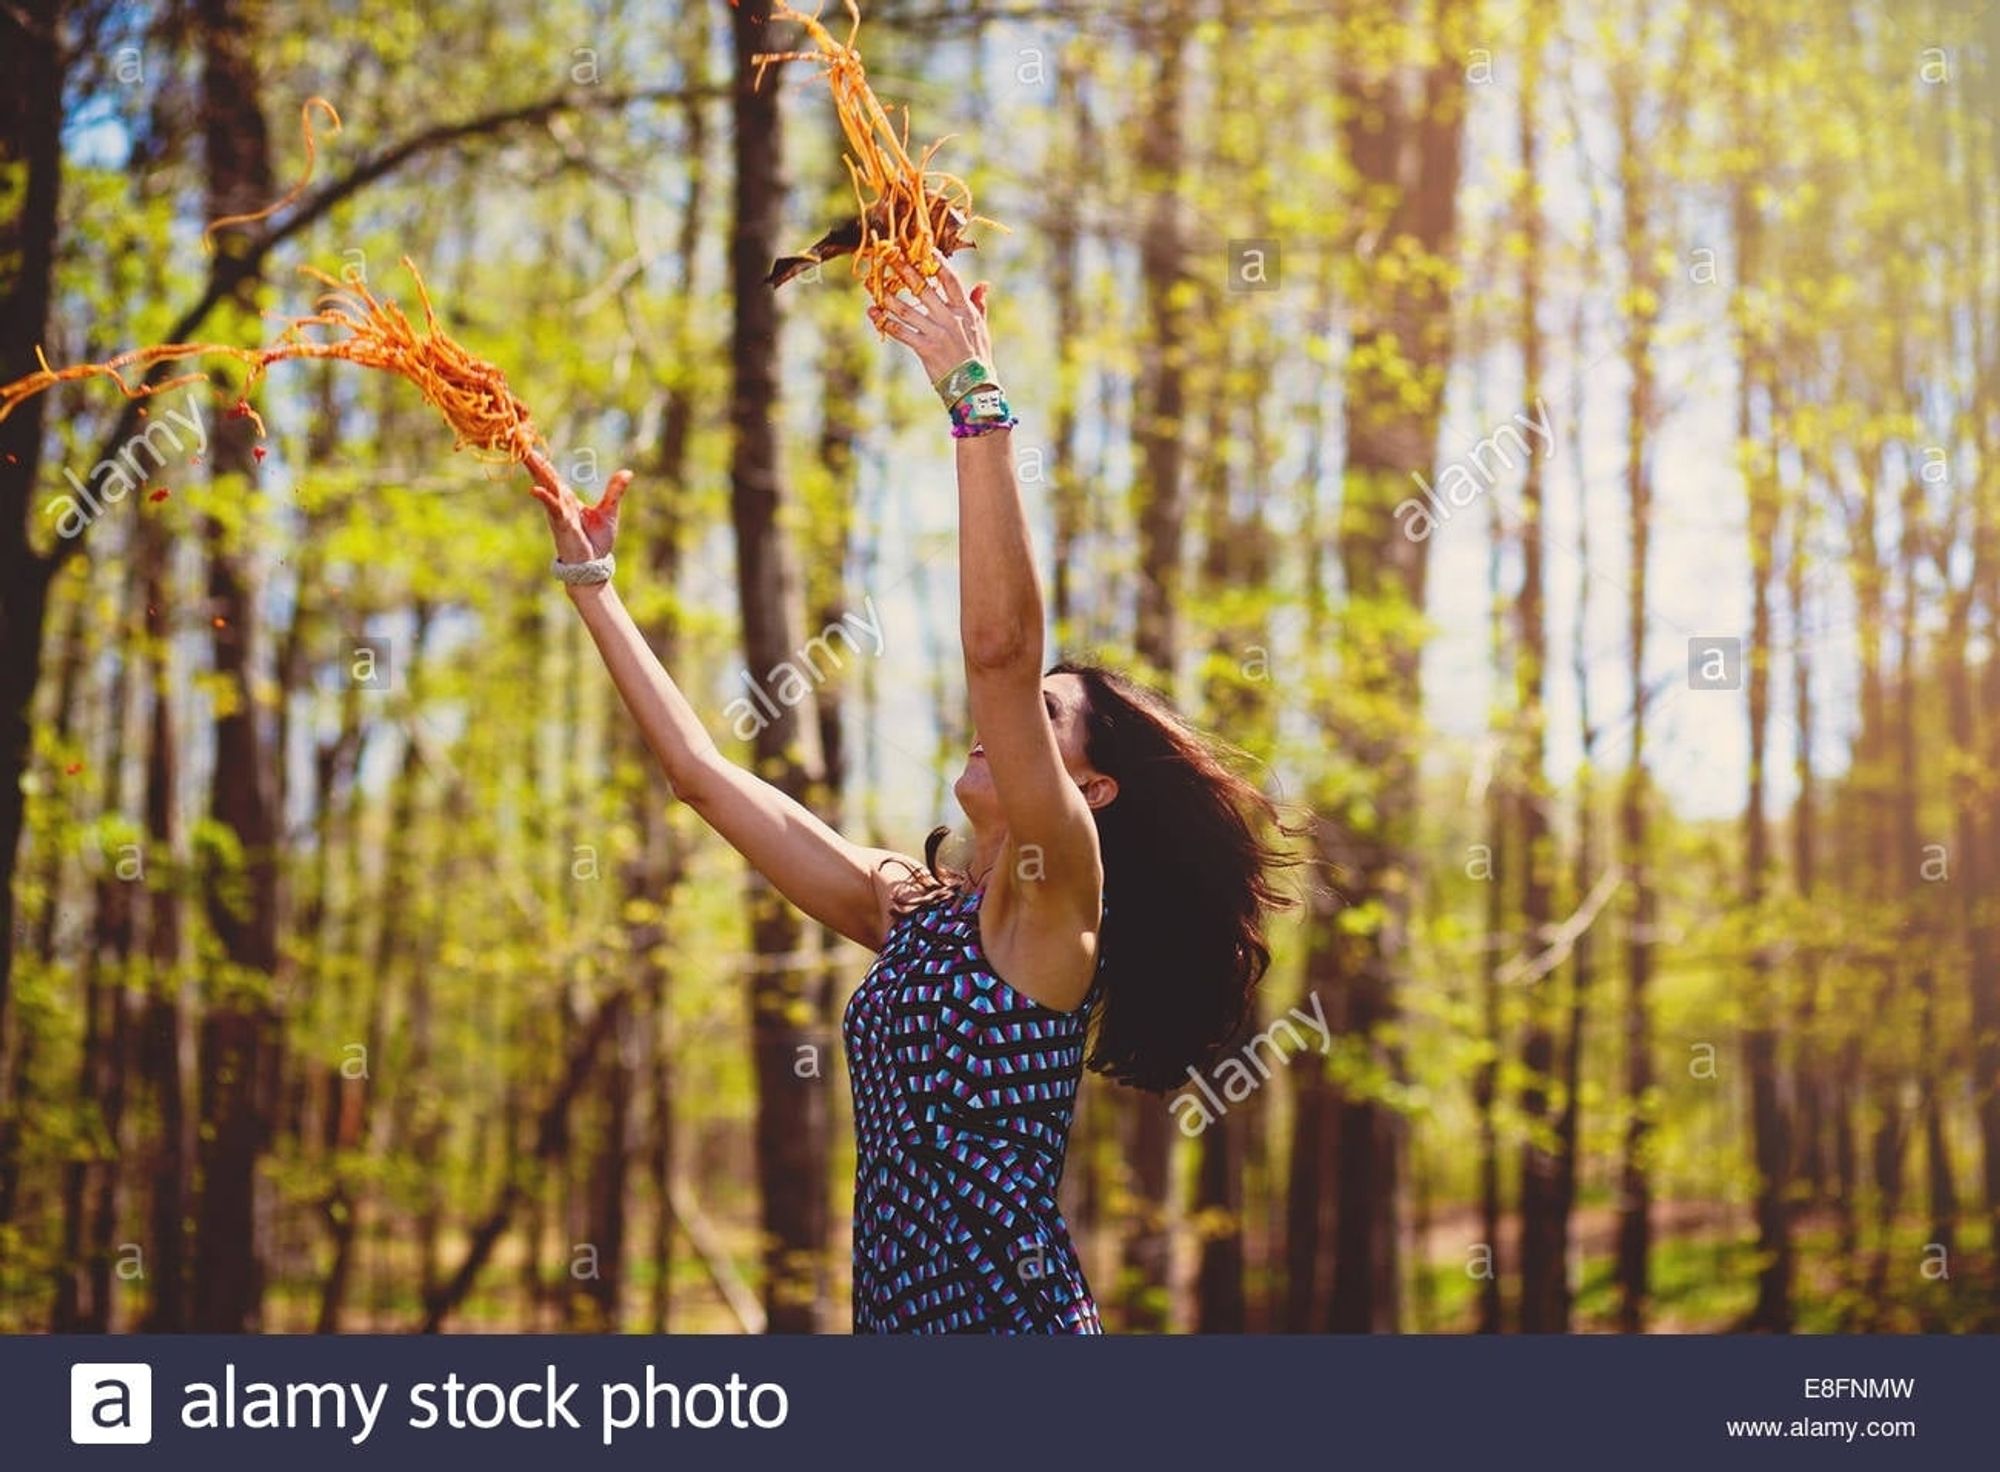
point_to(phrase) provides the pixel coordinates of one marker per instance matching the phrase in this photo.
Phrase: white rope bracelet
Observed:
(596, 570)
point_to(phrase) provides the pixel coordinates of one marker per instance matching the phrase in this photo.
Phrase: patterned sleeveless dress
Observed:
(964, 1090)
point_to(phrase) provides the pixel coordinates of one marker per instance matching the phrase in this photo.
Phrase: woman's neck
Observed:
(986, 846)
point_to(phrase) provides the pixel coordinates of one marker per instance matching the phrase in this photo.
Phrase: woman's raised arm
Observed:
(1000, 621)
(843, 885)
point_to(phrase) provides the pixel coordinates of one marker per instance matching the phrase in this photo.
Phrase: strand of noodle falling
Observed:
(298, 189)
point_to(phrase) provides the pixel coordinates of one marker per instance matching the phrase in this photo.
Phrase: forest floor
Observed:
(1704, 1272)
(1717, 1228)
(1703, 1281)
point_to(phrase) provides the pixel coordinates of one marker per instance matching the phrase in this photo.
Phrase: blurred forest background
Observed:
(1557, 440)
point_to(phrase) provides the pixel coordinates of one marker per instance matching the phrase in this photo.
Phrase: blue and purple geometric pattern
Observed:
(964, 1090)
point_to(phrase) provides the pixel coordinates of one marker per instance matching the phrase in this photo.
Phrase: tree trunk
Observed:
(1402, 335)
(1808, 1164)
(667, 860)
(90, 1176)
(1635, 1190)
(17, 1055)
(1983, 973)
(1583, 958)
(604, 1289)
(1899, 888)
(1868, 780)
(32, 73)
(162, 1037)
(336, 931)
(1308, 1198)
(1495, 869)
(1082, 1193)
(1933, 1055)
(1158, 437)
(238, 1041)
(1065, 242)
(1236, 554)
(116, 908)
(427, 1125)
(1772, 1312)
(1544, 1222)
(785, 1018)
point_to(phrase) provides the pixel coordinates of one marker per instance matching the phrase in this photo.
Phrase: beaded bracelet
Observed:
(973, 431)
(981, 412)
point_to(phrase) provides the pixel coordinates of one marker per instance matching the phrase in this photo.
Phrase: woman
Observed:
(1115, 895)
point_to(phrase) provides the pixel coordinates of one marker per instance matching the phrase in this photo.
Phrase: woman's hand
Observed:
(940, 322)
(581, 532)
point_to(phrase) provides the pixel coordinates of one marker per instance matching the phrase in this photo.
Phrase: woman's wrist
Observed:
(973, 397)
(954, 380)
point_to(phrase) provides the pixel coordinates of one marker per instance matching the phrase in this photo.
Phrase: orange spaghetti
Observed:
(470, 393)
(910, 213)
(312, 151)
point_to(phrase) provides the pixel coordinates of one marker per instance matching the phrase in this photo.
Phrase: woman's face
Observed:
(1064, 701)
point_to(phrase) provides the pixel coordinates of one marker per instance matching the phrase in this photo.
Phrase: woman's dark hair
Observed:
(1190, 848)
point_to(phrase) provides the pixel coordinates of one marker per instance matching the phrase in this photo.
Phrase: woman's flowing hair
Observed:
(1191, 852)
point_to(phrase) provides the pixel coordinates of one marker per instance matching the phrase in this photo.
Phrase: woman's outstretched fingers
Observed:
(906, 324)
(949, 284)
(547, 486)
(913, 279)
(886, 323)
(614, 493)
(600, 522)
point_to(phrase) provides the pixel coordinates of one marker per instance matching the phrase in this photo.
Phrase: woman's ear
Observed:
(1098, 789)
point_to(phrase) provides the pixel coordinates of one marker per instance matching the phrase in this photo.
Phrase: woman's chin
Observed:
(974, 789)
